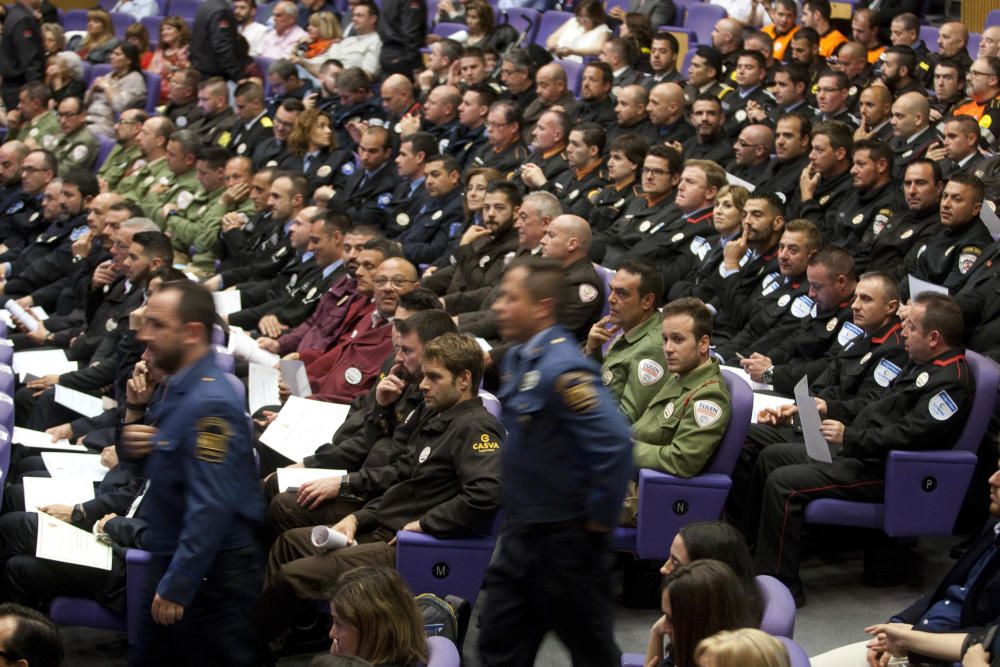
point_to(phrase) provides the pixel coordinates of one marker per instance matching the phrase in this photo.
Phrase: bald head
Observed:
(989, 45)
(567, 239)
(551, 72)
(952, 38)
(759, 134)
(397, 94)
(910, 114)
(666, 103)
(728, 35)
(853, 50)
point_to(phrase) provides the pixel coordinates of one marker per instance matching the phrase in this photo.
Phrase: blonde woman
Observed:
(54, 38)
(746, 647)
(99, 39)
(312, 51)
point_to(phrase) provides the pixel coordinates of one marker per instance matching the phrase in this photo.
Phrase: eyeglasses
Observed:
(68, 114)
(25, 169)
(495, 125)
(123, 121)
(975, 73)
(397, 281)
(653, 171)
(743, 144)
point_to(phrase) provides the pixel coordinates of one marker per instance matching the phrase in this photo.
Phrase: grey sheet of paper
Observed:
(918, 286)
(816, 445)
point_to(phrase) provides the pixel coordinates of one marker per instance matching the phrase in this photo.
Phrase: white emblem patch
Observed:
(847, 333)
(352, 375)
(941, 406)
(324, 171)
(885, 372)
(587, 292)
(802, 306)
(530, 380)
(649, 372)
(922, 379)
(424, 453)
(706, 413)
(184, 200)
(668, 411)
(606, 377)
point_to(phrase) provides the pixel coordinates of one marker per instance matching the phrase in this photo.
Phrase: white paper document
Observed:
(63, 542)
(290, 479)
(42, 491)
(302, 426)
(66, 465)
(764, 401)
(42, 440)
(756, 386)
(736, 180)
(79, 402)
(245, 348)
(293, 372)
(263, 381)
(917, 286)
(227, 302)
(816, 445)
(42, 362)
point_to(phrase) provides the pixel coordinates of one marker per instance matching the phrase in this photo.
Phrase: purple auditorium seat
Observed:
(973, 46)
(448, 29)
(992, 19)
(687, 62)
(152, 24)
(5, 453)
(6, 353)
(6, 380)
(224, 360)
(96, 71)
(797, 657)
(107, 144)
(923, 489)
(701, 18)
(929, 34)
(548, 24)
(75, 19)
(107, 5)
(441, 652)
(682, 7)
(120, 21)
(525, 21)
(574, 74)
(605, 275)
(778, 606)
(152, 91)
(91, 614)
(668, 503)
(443, 567)
(186, 9)
(491, 403)
(264, 64)
(7, 413)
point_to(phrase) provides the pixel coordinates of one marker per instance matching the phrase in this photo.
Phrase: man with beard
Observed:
(870, 204)
(596, 103)
(875, 111)
(271, 152)
(666, 113)
(752, 151)
(369, 189)
(504, 151)
(710, 141)
(791, 147)
(583, 179)
(352, 367)
(23, 215)
(631, 106)
(899, 71)
(484, 250)
(152, 139)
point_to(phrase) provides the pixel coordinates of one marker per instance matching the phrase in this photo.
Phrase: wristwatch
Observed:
(78, 515)
(768, 375)
(345, 486)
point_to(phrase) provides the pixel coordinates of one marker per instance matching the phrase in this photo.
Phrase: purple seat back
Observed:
(75, 19)
(701, 18)
(6, 380)
(152, 91)
(224, 360)
(4, 455)
(264, 64)
(448, 29)
(574, 74)
(986, 374)
(973, 45)
(796, 656)
(121, 21)
(548, 24)
(992, 19)
(491, 403)
(778, 606)
(605, 274)
(185, 8)
(96, 71)
(6, 354)
(443, 567)
(929, 34)
(152, 24)
(741, 411)
(107, 144)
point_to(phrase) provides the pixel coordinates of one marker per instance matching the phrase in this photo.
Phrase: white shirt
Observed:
(357, 51)
(253, 32)
(273, 45)
(137, 8)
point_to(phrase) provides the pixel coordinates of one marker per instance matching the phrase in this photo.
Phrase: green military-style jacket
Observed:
(76, 150)
(634, 368)
(684, 423)
(119, 161)
(43, 130)
(136, 185)
(180, 189)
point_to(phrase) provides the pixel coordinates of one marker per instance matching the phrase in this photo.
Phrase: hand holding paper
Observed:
(816, 444)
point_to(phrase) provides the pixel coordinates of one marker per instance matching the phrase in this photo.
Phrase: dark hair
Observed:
(545, 279)
(805, 124)
(877, 151)
(709, 597)
(633, 147)
(773, 199)
(420, 299)
(675, 162)
(935, 166)
(650, 280)
(606, 74)
(354, 79)
(807, 35)
(837, 260)
(966, 125)
(696, 309)
(814, 238)
(511, 111)
(293, 105)
(821, 6)
(458, 354)
(195, 305)
(423, 142)
(334, 221)
(592, 133)
(134, 210)
(968, 180)
(428, 324)
(508, 189)
(707, 97)
(663, 36)
(907, 57)
(84, 179)
(487, 96)
(155, 245)
(35, 639)
(757, 57)
(131, 51)
(941, 314)
(712, 57)
(888, 282)
(797, 72)
(842, 81)
(188, 141)
(388, 248)
(38, 91)
(908, 21)
(215, 157)
(839, 134)
(49, 160)
(592, 9)
(167, 274)
(449, 162)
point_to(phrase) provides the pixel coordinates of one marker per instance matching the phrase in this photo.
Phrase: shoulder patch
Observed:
(587, 292)
(885, 372)
(213, 439)
(266, 122)
(485, 444)
(649, 372)
(578, 391)
(941, 406)
(706, 413)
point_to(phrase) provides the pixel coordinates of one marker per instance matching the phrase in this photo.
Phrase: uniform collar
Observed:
(639, 331)
(440, 420)
(882, 335)
(948, 358)
(191, 373)
(534, 346)
(700, 375)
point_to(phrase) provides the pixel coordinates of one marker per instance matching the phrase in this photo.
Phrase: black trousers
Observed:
(784, 481)
(758, 437)
(556, 578)
(217, 626)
